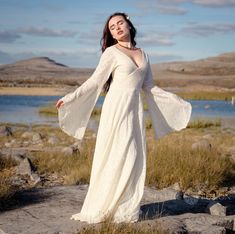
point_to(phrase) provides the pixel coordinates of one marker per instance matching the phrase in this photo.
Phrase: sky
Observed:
(69, 32)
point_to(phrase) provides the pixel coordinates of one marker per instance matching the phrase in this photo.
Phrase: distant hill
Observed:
(218, 71)
(212, 71)
(41, 71)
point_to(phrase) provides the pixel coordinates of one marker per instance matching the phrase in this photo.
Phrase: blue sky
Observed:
(69, 31)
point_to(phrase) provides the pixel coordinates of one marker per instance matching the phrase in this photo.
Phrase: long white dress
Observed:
(119, 162)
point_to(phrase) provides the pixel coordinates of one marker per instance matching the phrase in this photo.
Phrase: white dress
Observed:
(119, 162)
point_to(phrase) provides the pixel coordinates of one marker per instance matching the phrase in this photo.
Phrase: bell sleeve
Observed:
(75, 113)
(168, 111)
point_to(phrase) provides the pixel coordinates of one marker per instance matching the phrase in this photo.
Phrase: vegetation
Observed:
(109, 227)
(169, 160)
(207, 95)
(51, 110)
(172, 160)
(204, 123)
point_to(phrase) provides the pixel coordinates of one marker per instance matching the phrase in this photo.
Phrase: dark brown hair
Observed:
(107, 40)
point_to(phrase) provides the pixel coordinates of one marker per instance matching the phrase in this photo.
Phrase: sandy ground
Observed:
(38, 91)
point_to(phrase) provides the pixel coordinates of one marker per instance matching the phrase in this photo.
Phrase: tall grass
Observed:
(75, 169)
(111, 228)
(172, 160)
(7, 189)
(169, 159)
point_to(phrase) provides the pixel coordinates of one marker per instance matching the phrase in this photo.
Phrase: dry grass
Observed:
(204, 123)
(51, 110)
(208, 95)
(75, 169)
(172, 160)
(6, 173)
(111, 228)
(169, 160)
(107, 226)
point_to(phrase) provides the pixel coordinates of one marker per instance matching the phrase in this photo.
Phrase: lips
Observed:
(120, 32)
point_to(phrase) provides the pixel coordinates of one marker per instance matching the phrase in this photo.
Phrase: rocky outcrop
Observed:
(49, 211)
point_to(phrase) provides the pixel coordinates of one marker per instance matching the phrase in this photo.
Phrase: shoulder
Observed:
(108, 53)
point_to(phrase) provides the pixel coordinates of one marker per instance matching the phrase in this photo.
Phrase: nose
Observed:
(117, 28)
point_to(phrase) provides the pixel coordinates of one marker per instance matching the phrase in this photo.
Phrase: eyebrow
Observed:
(117, 23)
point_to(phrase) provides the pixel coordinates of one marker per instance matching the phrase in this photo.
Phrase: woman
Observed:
(119, 163)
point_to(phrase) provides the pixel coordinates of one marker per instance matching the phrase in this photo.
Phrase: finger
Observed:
(59, 103)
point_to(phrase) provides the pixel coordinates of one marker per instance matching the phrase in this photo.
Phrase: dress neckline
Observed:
(133, 62)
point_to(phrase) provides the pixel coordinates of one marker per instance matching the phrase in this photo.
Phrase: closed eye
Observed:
(120, 22)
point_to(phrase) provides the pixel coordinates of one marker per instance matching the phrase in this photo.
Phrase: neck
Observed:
(127, 45)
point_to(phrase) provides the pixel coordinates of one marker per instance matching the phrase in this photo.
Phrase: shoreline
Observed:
(194, 92)
(34, 91)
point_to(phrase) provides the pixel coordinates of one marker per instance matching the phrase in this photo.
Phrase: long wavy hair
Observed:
(107, 40)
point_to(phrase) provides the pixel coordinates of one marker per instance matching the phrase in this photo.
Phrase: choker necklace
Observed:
(132, 48)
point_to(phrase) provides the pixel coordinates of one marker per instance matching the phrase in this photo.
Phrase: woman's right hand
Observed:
(59, 104)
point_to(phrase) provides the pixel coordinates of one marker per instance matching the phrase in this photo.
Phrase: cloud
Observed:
(8, 36)
(46, 32)
(172, 6)
(156, 38)
(91, 37)
(215, 3)
(160, 7)
(171, 10)
(204, 30)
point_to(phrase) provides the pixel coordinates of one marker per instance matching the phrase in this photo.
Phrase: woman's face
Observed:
(119, 28)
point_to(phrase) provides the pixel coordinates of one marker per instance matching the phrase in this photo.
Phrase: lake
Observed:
(24, 109)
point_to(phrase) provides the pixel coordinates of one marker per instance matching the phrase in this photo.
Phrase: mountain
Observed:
(217, 71)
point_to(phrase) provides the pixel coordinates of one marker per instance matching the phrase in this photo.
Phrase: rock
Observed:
(67, 150)
(2, 232)
(18, 154)
(5, 131)
(215, 208)
(35, 178)
(176, 186)
(53, 140)
(15, 154)
(203, 144)
(27, 135)
(24, 168)
(11, 143)
(160, 195)
(37, 138)
(179, 195)
(8, 144)
(40, 211)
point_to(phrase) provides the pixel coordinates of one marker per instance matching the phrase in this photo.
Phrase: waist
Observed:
(123, 88)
